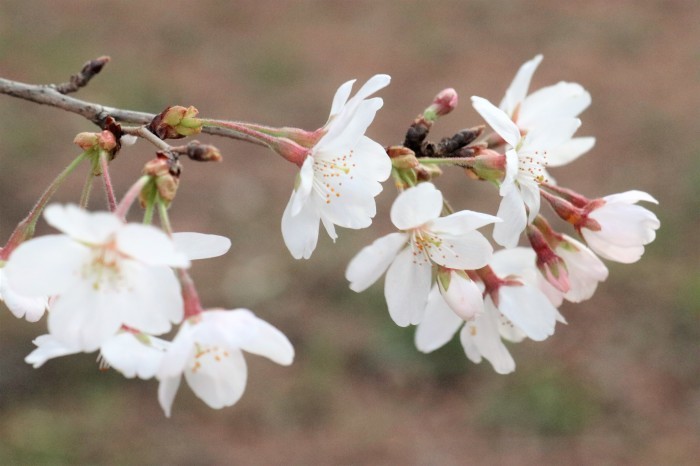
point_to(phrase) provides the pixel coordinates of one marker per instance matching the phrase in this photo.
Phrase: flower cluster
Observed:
(118, 287)
(113, 288)
(442, 276)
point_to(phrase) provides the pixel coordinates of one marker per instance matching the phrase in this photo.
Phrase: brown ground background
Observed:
(619, 385)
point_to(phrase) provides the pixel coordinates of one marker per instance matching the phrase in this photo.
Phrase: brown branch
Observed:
(90, 69)
(96, 113)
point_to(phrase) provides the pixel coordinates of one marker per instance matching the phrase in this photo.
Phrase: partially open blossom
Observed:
(618, 229)
(561, 100)
(460, 293)
(513, 308)
(105, 273)
(526, 162)
(208, 351)
(341, 174)
(584, 268)
(425, 238)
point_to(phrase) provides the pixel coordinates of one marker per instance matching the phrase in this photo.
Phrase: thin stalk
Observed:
(87, 187)
(25, 228)
(107, 181)
(131, 195)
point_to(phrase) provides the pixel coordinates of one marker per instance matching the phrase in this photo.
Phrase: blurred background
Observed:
(620, 384)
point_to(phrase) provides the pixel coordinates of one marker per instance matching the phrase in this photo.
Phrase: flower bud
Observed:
(165, 179)
(488, 165)
(402, 157)
(460, 293)
(202, 152)
(443, 103)
(86, 141)
(176, 122)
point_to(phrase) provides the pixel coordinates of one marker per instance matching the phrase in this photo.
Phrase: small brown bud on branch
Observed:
(90, 69)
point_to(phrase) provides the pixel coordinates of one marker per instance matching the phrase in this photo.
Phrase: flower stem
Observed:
(87, 187)
(109, 189)
(459, 161)
(193, 305)
(131, 195)
(243, 130)
(25, 228)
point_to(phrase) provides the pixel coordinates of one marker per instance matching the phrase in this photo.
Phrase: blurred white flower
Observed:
(425, 238)
(208, 350)
(105, 273)
(341, 174)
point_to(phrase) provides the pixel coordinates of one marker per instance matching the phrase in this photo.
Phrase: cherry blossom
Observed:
(342, 173)
(106, 274)
(585, 269)
(514, 307)
(616, 228)
(526, 161)
(208, 350)
(561, 100)
(425, 239)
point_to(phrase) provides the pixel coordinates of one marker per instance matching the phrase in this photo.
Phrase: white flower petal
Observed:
(584, 268)
(46, 266)
(498, 120)
(516, 92)
(300, 196)
(201, 246)
(416, 206)
(623, 254)
(372, 261)
(149, 245)
(344, 132)
(406, 287)
(463, 296)
(84, 318)
(439, 324)
(480, 338)
(31, 308)
(300, 232)
(261, 338)
(134, 355)
(549, 135)
(81, 225)
(569, 151)
(630, 197)
(530, 192)
(48, 347)
(468, 251)
(625, 224)
(562, 100)
(341, 97)
(167, 389)
(529, 309)
(219, 382)
(151, 301)
(512, 211)
(461, 222)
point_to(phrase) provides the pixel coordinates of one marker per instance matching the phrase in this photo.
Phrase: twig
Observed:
(52, 96)
(81, 79)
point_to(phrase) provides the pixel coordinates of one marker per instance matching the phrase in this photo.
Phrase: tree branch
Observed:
(52, 96)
